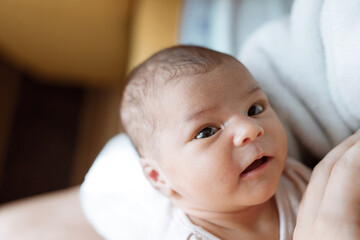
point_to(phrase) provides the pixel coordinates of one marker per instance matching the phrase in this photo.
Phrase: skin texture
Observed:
(203, 175)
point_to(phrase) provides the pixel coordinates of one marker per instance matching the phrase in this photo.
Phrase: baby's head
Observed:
(205, 132)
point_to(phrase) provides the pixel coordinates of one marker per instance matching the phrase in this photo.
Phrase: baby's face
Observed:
(222, 147)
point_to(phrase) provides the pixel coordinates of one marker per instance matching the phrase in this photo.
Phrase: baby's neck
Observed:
(257, 222)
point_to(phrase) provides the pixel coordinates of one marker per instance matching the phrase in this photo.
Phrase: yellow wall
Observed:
(155, 26)
(85, 42)
(67, 41)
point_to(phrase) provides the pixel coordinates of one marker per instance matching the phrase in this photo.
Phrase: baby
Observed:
(209, 140)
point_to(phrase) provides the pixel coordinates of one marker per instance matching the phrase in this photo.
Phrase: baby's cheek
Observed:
(279, 134)
(282, 147)
(227, 178)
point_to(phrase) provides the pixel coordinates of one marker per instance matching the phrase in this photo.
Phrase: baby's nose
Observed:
(247, 131)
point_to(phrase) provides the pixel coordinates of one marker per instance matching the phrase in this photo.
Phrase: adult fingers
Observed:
(340, 206)
(314, 193)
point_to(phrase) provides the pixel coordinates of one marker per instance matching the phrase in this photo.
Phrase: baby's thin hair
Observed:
(145, 82)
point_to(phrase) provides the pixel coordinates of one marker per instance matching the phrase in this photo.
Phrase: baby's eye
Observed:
(256, 109)
(207, 132)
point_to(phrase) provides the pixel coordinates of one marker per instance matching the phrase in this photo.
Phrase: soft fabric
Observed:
(224, 25)
(308, 64)
(121, 204)
(118, 200)
(291, 186)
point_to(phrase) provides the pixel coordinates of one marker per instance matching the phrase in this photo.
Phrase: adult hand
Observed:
(330, 208)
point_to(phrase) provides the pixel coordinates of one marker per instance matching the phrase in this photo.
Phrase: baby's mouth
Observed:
(257, 163)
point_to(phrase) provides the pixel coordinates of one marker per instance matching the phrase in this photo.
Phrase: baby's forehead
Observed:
(204, 86)
(176, 81)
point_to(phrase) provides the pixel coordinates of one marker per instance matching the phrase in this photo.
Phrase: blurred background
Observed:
(62, 65)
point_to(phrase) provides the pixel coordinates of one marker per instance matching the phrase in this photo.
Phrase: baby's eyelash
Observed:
(256, 109)
(207, 131)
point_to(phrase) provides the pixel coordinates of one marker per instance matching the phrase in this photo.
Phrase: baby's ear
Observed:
(153, 174)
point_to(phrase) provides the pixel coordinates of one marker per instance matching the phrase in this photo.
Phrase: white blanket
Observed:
(309, 65)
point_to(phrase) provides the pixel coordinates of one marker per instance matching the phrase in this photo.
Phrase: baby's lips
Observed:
(255, 164)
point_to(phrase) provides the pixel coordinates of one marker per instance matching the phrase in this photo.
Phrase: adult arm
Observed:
(330, 208)
(55, 215)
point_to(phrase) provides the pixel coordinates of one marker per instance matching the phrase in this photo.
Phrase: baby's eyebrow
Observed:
(254, 89)
(197, 114)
